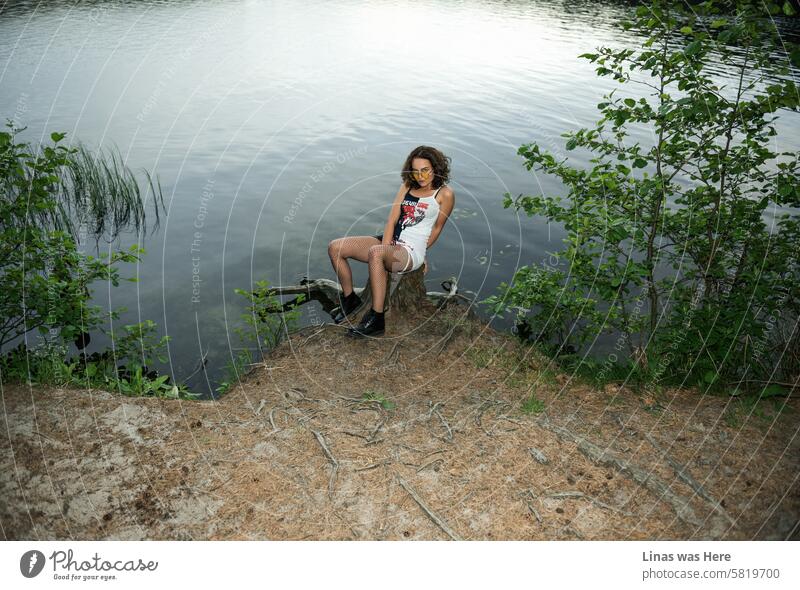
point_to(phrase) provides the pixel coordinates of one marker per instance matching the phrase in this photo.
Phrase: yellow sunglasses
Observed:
(421, 173)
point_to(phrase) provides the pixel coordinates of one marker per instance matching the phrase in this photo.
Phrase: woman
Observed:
(420, 209)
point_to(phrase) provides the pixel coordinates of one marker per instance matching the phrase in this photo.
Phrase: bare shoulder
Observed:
(401, 192)
(446, 196)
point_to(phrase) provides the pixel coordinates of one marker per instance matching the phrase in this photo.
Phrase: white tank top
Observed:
(417, 216)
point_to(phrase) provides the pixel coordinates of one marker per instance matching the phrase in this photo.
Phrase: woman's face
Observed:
(422, 171)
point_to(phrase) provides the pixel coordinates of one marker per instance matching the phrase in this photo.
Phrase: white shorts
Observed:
(417, 257)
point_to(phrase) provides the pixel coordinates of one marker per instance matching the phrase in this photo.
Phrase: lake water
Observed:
(275, 127)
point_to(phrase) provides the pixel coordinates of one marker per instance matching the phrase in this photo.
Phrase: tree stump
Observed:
(406, 294)
(409, 291)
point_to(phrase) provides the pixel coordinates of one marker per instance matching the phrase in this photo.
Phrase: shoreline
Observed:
(393, 438)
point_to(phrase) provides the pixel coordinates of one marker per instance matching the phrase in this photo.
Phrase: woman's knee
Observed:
(335, 248)
(376, 252)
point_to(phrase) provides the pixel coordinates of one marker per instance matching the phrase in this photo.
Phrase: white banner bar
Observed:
(354, 565)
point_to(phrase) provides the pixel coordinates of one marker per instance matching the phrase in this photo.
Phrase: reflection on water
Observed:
(275, 127)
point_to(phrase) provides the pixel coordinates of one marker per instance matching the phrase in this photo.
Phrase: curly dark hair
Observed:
(440, 163)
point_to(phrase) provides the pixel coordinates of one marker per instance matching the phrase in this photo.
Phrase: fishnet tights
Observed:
(381, 259)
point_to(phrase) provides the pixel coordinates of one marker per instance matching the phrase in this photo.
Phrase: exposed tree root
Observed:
(331, 458)
(683, 474)
(643, 477)
(430, 513)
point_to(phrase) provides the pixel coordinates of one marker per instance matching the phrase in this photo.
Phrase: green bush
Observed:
(118, 369)
(51, 199)
(685, 249)
(266, 320)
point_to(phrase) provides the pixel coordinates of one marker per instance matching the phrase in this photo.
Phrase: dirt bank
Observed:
(397, 438)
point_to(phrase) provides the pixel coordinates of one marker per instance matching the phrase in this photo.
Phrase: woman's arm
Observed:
(394, 215)
(448, 201)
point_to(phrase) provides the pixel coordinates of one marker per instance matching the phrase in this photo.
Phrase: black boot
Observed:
(349, 304)
(371, 325)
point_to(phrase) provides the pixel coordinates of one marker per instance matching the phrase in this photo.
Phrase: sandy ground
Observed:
(442, 449)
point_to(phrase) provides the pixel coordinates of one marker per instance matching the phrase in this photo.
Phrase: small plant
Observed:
(651, 402)
(742, 410)
(139, 344)
(266, 320)
(482, 357)
(532, 405)
(548, 376)
(454, 322)
(762, 408)
(140, 384)
(372, 396)
(731, 417)
(119, 369)
(517, 378)
(234, 370)
(267, 317)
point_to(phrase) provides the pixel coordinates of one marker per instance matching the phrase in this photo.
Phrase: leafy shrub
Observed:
(266, 320)
(119, 368)
(686, 248)
(50, 200)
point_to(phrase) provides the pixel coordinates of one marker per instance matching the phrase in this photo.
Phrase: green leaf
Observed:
(720, 22)
(630, 102)
(56, 137)
(692, 48)
(686, 30)
(788, 9)
(794, 57)
(572, 143)
(639, 163)
(774, 390)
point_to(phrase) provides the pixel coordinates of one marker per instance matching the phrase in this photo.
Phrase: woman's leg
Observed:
(382, 259)
(340, 249)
